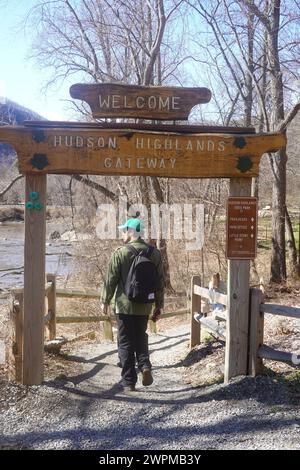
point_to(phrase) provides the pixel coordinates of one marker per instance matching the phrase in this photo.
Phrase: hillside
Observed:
(13, 113)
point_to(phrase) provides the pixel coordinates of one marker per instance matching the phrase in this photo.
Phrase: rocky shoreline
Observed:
(12, 214)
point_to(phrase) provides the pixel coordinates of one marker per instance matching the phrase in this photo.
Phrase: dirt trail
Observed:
(86, 409)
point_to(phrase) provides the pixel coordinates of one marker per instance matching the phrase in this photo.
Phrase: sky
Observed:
(22, 81)
(20, 78)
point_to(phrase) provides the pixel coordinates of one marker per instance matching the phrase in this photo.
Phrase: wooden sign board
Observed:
(241, 231)
(127, 152)
(160, 103)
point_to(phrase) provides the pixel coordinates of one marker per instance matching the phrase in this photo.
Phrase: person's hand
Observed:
(156, 314)
(104, 309)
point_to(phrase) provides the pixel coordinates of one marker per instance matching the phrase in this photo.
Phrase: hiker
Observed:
(135, 272)
(216, 285)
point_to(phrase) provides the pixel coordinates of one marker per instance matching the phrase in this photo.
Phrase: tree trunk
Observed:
(291, 243)
(278, 259)
(159, 196)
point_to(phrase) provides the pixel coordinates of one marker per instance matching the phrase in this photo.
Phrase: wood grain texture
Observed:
(281, 310)
(266, 352)
(256, 332)
(213, 326)
(34, 283)
(115, 152)
(161, 103)
(237, 325)
(218, 297)
(155, 127)
(51, 296)
(195, 336)
(19, 328)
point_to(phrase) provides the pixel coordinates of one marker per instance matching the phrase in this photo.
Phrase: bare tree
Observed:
(110, 41)
(252, 45)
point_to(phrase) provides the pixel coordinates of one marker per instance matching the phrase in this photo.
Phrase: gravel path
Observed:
(88, 410)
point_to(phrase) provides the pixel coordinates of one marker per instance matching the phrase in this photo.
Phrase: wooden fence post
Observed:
(34, 279)
(237, 325)
(256, 332)
(195, 336)
(51, 296)
(107, 328)
(152, 326)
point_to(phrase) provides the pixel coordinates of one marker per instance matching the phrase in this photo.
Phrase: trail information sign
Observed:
(241, 233)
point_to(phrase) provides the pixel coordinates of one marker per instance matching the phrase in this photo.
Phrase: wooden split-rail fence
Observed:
(217, 326)
(257, 350)
(51, 319)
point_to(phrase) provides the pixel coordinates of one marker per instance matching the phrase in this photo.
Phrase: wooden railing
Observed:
(51, 318)
(257, 310)
(217, 326)
(257, 349)
(198, 318)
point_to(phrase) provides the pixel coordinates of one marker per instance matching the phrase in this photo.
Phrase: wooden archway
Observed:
(180, 151)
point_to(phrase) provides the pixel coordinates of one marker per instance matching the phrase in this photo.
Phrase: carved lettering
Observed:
(153, 102)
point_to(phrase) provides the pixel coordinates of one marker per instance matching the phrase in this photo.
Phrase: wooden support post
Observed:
(237, 326)
(34, 280)
(52, 306)
(195, 308)
(18, 337)
(256, 332)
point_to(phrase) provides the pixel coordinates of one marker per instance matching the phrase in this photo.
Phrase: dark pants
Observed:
(133, 342)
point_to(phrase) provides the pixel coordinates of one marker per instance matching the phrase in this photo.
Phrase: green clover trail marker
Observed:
(33, 203)
(33, 195)
(29, 205)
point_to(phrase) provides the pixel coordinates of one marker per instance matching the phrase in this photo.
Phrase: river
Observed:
(59, 259)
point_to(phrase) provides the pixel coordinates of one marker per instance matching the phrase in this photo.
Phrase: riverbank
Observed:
(11, 213)
(15, 213)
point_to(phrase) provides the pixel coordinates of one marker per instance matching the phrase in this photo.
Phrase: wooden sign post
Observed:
(34, 279)
(238, 283)
(241, 246)
(133, 149)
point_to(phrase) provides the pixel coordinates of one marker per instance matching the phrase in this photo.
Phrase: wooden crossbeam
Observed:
(70, 150)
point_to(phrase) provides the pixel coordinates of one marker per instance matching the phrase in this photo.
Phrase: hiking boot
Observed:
(129, 388)
(147, 377)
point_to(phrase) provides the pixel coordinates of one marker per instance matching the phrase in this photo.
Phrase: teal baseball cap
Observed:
(134, 224)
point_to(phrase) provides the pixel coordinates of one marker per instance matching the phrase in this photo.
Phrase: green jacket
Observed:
(118, 269)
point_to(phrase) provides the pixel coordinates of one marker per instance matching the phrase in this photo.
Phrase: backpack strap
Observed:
(149, 251)
(132, 249)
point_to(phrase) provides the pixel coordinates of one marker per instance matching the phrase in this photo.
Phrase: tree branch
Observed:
(290, 116)
(10, 185)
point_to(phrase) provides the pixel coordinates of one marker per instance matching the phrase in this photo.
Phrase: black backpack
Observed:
(142, 279)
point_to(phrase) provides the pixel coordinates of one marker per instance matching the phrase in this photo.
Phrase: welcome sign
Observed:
(110, 100)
